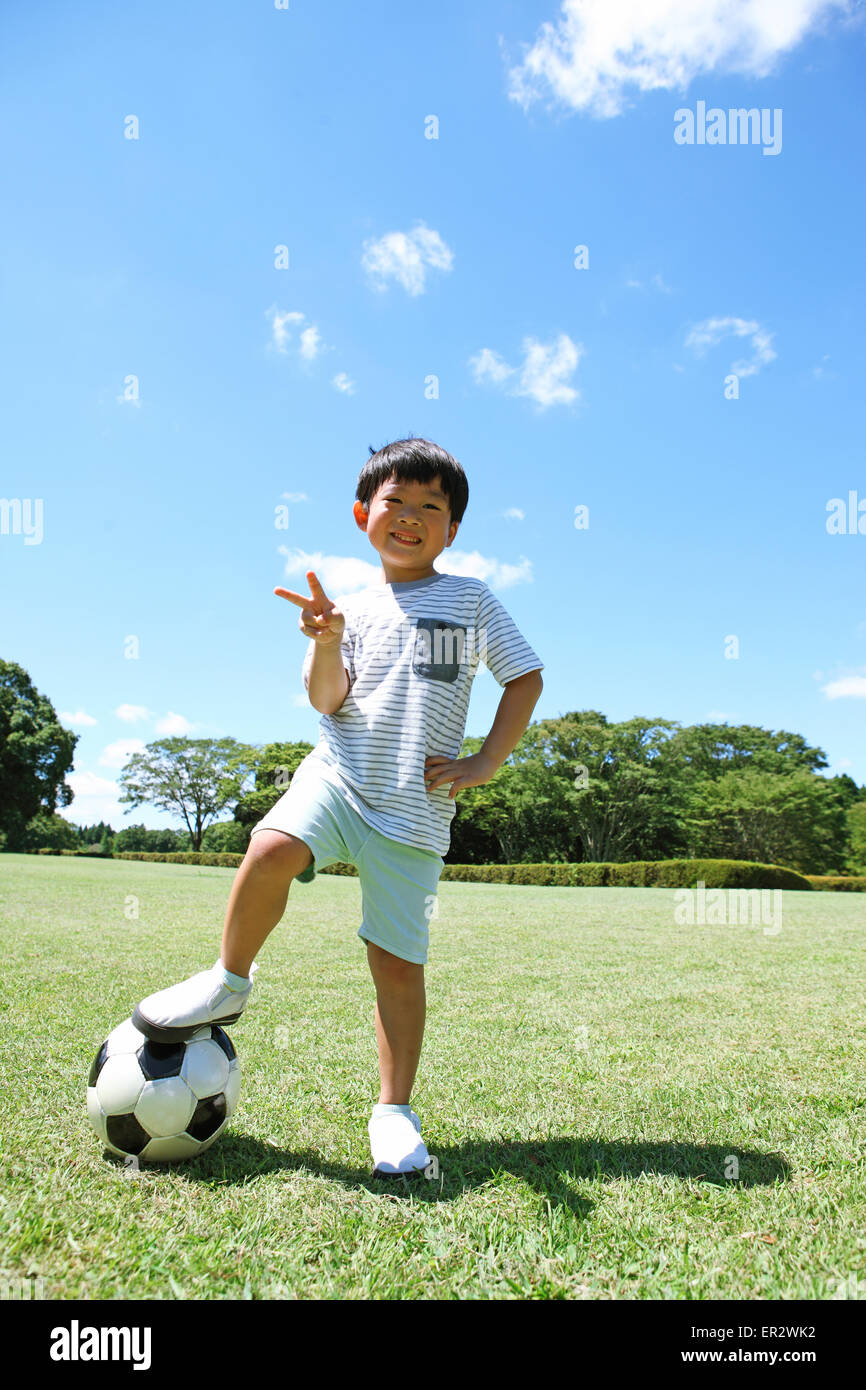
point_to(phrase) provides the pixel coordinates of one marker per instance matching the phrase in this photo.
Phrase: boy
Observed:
(390, 670)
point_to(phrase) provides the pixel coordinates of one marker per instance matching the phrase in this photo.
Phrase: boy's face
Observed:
(417, 510)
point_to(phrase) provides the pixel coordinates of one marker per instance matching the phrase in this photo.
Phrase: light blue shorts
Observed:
(398, 882)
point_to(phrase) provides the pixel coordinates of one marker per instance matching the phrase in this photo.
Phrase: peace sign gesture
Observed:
(320, 618)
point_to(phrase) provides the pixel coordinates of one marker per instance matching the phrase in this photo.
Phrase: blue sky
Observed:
(148, 264)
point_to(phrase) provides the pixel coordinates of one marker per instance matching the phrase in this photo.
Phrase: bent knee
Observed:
(272, 849)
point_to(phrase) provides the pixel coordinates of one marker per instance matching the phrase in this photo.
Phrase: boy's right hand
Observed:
(320, 618)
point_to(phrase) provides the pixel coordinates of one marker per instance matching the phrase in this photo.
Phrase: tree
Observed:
(49, 831)
(711, 750)
(138, 839)
(599, 791)
(93, 834)
(539, 826)
(36, 753)
(794, 819)
(537, 808)
(847, 788)
(226, 837)
(97, 839)
(856, 821)
(273, 767)
(195, 778)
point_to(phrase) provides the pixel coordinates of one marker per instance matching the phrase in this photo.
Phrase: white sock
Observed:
(234, 982)
(391, 1110)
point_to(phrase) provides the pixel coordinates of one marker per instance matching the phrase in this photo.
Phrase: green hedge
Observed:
(210, 858)
(223, 861)
(77, 853)
(839, 883)
(662, 873)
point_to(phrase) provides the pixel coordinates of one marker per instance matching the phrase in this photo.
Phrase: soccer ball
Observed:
(162, 1101)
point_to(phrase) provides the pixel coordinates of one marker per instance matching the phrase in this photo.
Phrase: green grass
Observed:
(588, 1068)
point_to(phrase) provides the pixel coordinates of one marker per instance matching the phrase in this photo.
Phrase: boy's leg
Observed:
(401, 1008)
(259, 895)
(257, 902)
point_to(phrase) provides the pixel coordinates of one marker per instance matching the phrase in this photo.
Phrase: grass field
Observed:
(589, 1070)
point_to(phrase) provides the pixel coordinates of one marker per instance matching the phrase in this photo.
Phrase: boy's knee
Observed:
(392, 967)
(284, 854)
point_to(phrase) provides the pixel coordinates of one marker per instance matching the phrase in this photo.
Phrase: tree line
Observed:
(576, 788)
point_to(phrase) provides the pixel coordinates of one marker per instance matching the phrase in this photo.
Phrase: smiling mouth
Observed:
(406, 540)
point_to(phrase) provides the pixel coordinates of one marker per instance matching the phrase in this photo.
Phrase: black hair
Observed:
(414, 460)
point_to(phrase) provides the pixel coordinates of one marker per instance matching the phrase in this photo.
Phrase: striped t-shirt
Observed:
(411, 649)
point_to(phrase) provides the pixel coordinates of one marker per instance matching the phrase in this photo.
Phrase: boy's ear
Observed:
(361, 515)
(452, 532)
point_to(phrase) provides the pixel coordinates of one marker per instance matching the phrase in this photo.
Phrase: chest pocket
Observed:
(438, 650)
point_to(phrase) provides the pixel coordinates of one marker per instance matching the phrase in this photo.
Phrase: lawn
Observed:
(621, 1107)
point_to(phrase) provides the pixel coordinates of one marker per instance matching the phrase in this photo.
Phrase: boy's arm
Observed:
(328, 683)
(519, 699)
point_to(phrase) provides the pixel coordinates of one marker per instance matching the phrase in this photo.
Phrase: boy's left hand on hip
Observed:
(460, 772)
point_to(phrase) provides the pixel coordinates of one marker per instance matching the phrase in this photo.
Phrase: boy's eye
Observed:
(434, 505)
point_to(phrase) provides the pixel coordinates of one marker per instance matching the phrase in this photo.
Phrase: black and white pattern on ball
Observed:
(162, 1101)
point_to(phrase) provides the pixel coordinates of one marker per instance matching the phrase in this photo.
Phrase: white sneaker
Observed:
(174, 1014)
(396, 1143)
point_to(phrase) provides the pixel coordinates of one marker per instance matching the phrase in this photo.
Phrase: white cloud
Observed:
(596, 53)
(295, 496)
(543, 376)
(497, 573)
(514, 513)
(847, 687)
(406, 258)
(337, 574)
(118, 754)
(712, 331)
(131, 714)
(657, 283)
(342, 383)
(173, 725)
(311, 343)
(821, 371)
(280, 333)
(343, 574)
(95, 799)
(86, 784)
(79, 719)
(488, 364)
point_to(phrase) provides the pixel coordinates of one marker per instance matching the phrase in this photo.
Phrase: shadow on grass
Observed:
(550, 1166)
